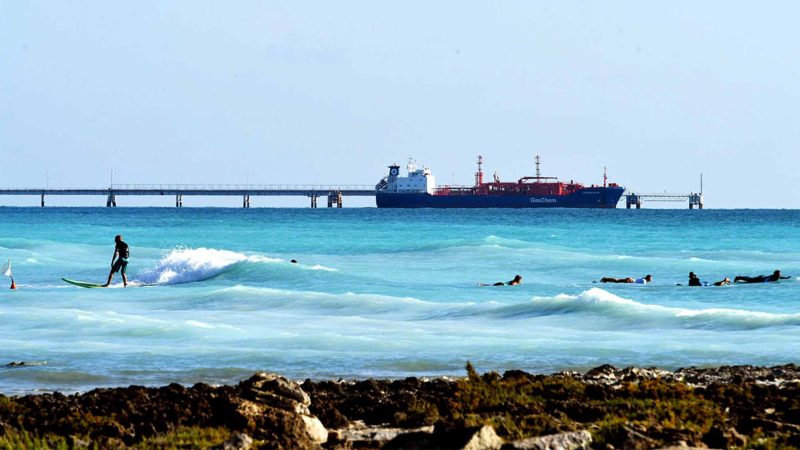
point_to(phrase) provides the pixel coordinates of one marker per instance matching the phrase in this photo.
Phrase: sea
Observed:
(214, 296)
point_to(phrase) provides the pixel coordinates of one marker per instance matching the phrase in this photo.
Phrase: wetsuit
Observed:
(759, 279)
(123, 253)
(694, 281)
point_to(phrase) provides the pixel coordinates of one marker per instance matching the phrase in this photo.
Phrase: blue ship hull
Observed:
(592, 197)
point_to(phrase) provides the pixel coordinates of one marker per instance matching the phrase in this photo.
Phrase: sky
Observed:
(298, 92)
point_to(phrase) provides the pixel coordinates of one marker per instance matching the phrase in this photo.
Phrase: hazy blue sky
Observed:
(298, 92)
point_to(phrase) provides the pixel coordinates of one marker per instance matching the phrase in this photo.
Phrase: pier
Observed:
(334, 193)
(636, 200)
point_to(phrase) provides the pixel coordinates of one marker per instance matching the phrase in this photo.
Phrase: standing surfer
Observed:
(119, 262)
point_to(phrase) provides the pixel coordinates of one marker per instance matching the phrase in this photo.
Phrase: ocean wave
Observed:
(348, 303)
(602, 303)
(186, 265)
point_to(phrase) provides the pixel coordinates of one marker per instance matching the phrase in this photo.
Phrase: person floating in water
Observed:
(723, 282)
(119, 262)
(761, 278)
(517, 280)
(693, 280)
(643, 280)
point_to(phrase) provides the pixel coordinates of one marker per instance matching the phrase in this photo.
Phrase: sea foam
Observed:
(188, 265)
(601, 303)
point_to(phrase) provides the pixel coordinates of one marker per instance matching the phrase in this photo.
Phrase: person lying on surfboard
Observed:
(119, 262)
(644, 280)
(517, 280)
(761, 278)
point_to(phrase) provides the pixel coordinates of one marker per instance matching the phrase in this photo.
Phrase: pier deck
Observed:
(334, 192)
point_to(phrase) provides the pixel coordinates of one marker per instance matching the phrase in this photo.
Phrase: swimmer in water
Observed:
(643, 280)
(517, 280)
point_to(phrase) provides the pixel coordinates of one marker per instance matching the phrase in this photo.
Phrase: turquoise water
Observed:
(387, 293)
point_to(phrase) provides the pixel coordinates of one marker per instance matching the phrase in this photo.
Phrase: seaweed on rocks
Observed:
(605, 408)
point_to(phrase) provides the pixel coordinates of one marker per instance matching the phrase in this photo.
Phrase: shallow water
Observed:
(387, 293)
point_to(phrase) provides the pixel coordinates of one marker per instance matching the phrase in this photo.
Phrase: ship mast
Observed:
(538, 173)
(605, 176)
(479, 173)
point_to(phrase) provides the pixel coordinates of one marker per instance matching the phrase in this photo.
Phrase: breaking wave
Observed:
(627, 312)
(186, 265)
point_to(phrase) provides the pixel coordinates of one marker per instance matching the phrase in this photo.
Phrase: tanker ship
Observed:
(419, 190)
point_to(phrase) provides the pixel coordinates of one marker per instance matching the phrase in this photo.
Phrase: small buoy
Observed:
(13, 285)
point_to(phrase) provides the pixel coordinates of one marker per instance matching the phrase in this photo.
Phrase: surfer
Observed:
(643, 280)
(517, 280)
(723, 282)
(119, 262)
(693, 280)
(760, 279)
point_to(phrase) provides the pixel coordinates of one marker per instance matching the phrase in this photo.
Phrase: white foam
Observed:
(321, 267)
(186, 265)
(198, 324)
(602, 302)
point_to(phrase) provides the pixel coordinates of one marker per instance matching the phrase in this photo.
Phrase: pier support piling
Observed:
(696, 199)
(335, 198)
(42, 204)
(633, 199)
(111, 201)
(179, 201)
(246, 201)
(313, 200)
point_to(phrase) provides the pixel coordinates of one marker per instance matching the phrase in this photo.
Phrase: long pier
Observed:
(334, 192)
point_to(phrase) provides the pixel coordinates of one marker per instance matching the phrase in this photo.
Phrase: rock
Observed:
(238, 441)
(315, 429)
(412, 441)
(277, 410)
(606, 374)
(484, 439)
(563, 441)
(627, 438)
(358, 432)
(474, 438)
(639, 374)
(275, 391)
(718, 437)
(681, 447)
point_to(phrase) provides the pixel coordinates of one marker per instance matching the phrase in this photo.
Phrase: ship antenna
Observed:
(538, 173)
(605, 176)
(479, 173)
(701, 183)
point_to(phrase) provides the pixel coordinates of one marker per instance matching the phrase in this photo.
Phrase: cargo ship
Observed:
(418, 190)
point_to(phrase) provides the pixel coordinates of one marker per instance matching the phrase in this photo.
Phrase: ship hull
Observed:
(592, 197)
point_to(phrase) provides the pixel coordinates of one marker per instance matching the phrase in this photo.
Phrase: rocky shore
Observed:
(605, 408)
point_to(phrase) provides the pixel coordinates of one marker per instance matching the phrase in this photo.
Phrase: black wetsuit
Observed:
(123, 253)
(694, 281)
(758, 279)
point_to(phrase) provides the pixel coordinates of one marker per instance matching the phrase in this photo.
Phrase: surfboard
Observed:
(82, 284)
